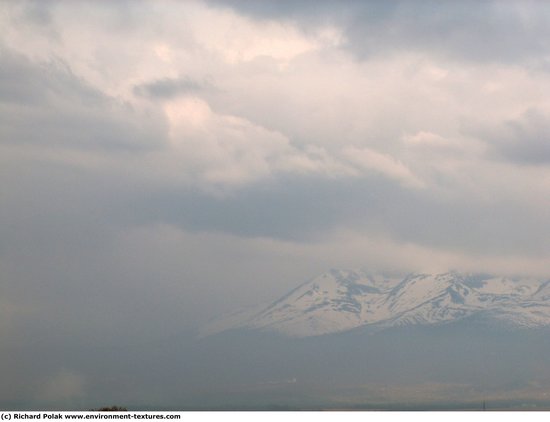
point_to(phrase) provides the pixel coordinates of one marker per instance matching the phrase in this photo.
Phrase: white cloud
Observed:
(369, 160)
(224, 150)
(425, 138)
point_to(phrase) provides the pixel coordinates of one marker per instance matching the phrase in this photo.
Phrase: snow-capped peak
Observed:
(341, 300)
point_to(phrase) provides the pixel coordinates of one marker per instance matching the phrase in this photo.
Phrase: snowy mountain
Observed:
(341, 300)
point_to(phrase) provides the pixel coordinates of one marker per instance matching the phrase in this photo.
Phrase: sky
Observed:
(164, 162)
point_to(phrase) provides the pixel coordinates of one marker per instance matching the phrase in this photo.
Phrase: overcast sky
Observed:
(163, 162)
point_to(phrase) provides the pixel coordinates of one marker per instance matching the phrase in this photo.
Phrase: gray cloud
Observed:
(65, 110)
(479, 31)
(168, 88)
(309, 210)
(39, 13)
(314, 10)
(23, 82)
(467, 30)
(525, 140)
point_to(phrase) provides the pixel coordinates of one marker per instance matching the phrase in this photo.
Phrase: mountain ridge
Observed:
(341, 300)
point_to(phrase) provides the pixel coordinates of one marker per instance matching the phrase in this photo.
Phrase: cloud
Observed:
(66, 111)
(168, 88)
(219, 151)
(189, 143)
(425, 138)
(470, 31)
(385, 164)
(322, 121)
(524, 140)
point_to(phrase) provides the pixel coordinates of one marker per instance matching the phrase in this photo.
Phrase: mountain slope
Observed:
(341, 300)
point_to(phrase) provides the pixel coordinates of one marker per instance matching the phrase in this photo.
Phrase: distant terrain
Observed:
(347, 339)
